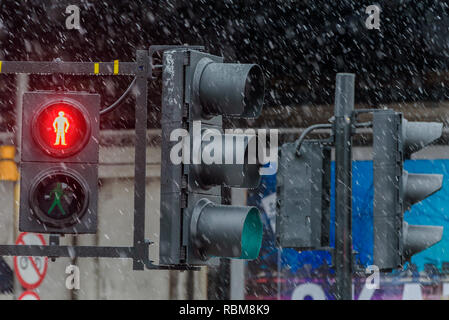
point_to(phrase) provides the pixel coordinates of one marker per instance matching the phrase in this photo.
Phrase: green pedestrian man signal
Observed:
(59, 198)
(58, 192)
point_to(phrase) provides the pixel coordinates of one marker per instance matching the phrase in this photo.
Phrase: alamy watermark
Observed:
(73, 20)
(373, 20)
(234, 146)
(73, 279)
(373, 280)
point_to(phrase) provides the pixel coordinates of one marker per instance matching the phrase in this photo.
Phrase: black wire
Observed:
(119, 100)
(307, 131)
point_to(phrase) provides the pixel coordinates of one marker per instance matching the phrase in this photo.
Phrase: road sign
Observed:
(29, 295)
(30, 271)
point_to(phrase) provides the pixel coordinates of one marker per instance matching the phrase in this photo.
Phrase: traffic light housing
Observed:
(59, 162)
(198, 90)
(396, 190)
(303, 196)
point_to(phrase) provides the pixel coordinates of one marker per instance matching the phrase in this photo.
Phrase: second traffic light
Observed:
(199, 157)
(59, 162)
(396, 190)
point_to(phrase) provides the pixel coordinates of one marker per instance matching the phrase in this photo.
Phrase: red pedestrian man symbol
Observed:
(61, 125)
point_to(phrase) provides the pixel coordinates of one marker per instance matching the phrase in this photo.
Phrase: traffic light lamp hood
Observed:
(418, 186)
(417, 135)
(230, 89)
(418, 238)
(241, 172)
(226, 231)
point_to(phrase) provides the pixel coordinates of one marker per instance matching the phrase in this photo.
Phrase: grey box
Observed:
(303, 193)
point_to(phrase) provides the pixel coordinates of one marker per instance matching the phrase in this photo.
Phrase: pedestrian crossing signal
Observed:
(62, 128)
(59, 198)
(59, 162)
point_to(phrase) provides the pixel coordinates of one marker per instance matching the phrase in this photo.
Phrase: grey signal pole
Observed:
(344, 106)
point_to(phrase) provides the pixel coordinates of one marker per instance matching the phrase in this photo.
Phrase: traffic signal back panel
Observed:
(303, 191)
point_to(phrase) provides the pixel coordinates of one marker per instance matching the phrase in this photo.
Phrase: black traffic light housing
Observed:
(195, 226)
(396, 190)
(59, 162)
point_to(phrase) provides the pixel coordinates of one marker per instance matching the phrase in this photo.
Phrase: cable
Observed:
(307, 131)
(119, 100)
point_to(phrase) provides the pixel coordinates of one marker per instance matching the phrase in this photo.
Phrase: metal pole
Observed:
(22, 81)
(344, 106)
(140, 160)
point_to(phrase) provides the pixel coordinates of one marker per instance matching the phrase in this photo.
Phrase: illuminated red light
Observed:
(61, 128)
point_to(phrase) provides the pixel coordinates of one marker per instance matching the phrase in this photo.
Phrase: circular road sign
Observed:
(30, 271)
(29, 295)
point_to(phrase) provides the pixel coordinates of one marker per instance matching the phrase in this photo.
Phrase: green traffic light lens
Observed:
(252, 235)
(59, 197)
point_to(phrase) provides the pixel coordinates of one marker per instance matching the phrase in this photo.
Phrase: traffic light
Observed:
(396, 190)
(303, 193)
(199, 158)
(59, 162)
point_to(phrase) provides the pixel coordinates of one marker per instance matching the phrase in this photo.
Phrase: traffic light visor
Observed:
(231, 89)
(225, 231)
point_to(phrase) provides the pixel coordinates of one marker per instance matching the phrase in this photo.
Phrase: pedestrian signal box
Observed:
(59, 162)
